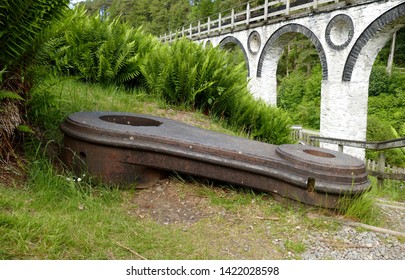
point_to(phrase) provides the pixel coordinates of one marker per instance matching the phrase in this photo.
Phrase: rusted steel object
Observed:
(124, 148)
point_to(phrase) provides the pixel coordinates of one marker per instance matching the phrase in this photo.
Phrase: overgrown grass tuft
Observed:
(363, 207)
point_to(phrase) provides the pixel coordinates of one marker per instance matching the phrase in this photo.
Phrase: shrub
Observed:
(207, 79)
(21, 22)
(379, 130)
(97, 50)
(301, 97)
(379, 81)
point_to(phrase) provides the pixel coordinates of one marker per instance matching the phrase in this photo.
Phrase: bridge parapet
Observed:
(247, 15)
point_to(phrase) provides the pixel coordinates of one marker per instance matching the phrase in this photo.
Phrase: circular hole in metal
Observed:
(319, 153)
(130, 120)
(82, 155)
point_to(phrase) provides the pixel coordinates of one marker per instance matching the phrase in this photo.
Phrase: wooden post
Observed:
(191, 31)
(232, 19)
(199, 30)
(266, 9)
(247, 14)
(381, 167)
(182, 31)
(219, 23)
(209, 25)
(315, 4)
(287, 7)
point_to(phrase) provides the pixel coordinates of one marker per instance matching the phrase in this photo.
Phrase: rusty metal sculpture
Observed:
(123, 147)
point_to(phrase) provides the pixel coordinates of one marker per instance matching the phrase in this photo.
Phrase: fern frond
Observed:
(9, 95)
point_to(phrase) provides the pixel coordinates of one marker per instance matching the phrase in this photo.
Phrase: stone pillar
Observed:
(344, 113)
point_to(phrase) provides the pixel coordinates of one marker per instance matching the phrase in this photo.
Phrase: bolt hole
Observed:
(82, 155)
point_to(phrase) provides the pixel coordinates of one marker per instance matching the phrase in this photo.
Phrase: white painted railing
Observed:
(241, 17)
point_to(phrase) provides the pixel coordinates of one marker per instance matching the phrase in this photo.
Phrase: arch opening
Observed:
(299, 80)
(386, 92)
(235, 47)
(277, 62)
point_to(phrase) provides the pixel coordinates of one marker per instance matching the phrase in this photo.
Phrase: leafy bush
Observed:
(187, 74)
(21, 22)
(379, 130)
(301, 97)
(105, 51)
(379, 81)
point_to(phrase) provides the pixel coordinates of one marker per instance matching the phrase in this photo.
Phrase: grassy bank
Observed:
(47, 215)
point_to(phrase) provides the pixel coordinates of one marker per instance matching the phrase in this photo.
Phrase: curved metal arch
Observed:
(289, 29)
(376, 26)
(233, 40)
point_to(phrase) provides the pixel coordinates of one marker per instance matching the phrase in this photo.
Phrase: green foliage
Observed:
(379, 81)
(399, 53)
(361, 207)
(379, 130)
(97, 50)
(9, 95)
(21, 22)
(187, 74)
(154, 16)
(301, 97)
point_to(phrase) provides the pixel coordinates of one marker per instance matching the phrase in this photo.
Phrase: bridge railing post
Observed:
(209, 26)
(266, 9)
(287, 7)
(381, 167)
(191, 31)
(233, 19)
(199, 30)
(315, 4)
(219, 23)
(247, 14)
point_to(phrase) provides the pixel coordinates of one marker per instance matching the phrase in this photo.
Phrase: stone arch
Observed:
(274, 47)
(232, 40)
(373, 38)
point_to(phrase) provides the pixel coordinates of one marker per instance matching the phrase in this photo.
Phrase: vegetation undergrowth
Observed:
(363, 207)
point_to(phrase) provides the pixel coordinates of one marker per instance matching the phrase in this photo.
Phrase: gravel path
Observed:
(349, 244)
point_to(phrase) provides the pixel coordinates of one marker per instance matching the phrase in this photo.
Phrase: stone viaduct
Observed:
(348, 35)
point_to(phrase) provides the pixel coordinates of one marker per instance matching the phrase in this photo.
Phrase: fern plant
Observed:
(20, 25)
(95, 49)
(187, 74)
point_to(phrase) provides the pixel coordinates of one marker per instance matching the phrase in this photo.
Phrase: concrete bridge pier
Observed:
(344, 114)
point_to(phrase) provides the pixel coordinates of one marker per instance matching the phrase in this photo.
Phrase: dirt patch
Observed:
(12, 173)
(169, 202)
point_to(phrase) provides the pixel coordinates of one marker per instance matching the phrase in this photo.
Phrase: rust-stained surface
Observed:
(126, 148)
